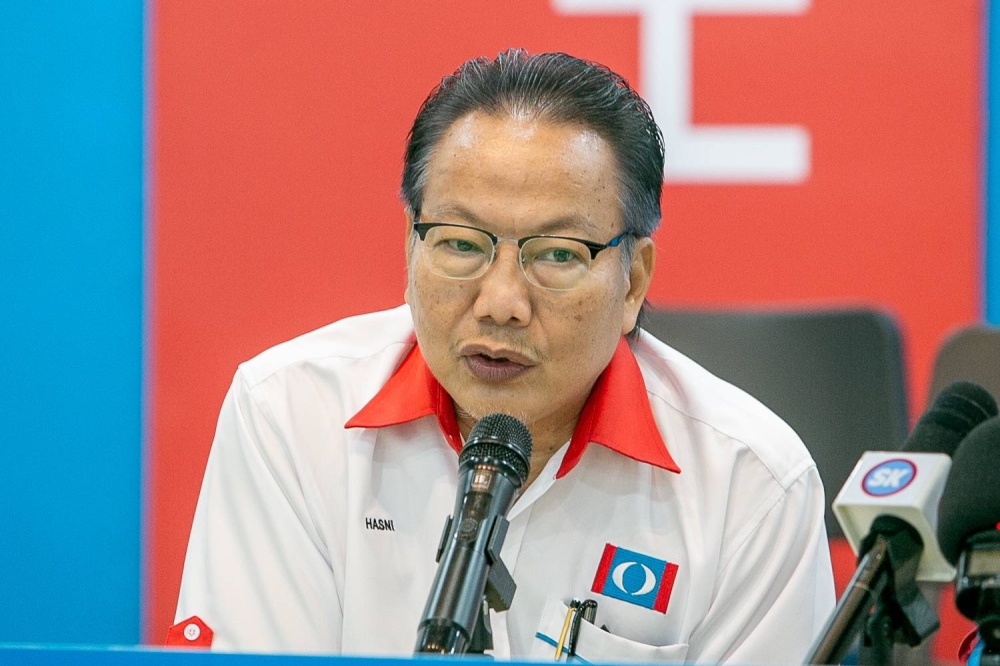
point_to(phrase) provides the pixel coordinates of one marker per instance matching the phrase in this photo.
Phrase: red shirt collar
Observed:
(616, 415)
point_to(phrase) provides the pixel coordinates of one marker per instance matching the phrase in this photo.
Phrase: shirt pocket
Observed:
(594, 644)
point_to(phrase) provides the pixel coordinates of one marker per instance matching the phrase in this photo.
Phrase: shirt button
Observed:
(192, 632)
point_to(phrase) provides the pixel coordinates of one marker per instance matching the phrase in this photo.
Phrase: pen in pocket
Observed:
(578, 611)
(571, 612)
(587, 612)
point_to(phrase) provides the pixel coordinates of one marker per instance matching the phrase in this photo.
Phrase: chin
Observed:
(477, 408)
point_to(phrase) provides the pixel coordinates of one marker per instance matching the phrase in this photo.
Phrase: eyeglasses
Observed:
(551, 262)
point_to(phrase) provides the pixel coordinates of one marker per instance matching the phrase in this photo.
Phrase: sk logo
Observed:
(889, 477)
(636, 578)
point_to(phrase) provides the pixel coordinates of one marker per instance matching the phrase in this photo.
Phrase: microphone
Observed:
(471, 578)
(888, 511)
(969, 532)
(907, 484)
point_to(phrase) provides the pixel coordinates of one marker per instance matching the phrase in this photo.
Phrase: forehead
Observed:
(523, 175)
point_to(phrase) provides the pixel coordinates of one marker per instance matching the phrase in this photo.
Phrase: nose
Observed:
(503, 296)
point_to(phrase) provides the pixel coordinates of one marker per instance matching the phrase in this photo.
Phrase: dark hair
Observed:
(556, 87)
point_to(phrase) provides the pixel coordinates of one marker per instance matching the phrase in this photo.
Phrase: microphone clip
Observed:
(901, 613)
(499, 592)
(883, 603)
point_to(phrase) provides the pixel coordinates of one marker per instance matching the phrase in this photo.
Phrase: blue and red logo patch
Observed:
(636, 578)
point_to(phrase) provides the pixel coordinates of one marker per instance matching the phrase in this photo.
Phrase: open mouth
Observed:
(492, 359)
(494, 368)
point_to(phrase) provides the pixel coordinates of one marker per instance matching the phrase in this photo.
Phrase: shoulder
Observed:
(707, 420)
(358, 338)
(322, 378)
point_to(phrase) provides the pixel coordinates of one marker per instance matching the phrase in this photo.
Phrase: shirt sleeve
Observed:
(257, 571)
(776, 592)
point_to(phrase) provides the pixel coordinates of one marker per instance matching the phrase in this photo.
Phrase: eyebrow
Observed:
(568, 223)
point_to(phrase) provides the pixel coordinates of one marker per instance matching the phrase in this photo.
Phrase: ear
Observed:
(408, 249)
(640, 274)
(410, 219)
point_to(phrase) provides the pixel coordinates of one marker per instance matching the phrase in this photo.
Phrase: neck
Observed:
(545, 444)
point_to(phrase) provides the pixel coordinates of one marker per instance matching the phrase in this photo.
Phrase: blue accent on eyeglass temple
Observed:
(614, 242)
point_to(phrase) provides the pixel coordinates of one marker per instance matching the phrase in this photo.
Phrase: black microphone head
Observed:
(957, 409)
(971, 500)
(502, 438)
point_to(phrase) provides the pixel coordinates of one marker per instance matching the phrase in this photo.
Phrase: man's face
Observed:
(498, 342)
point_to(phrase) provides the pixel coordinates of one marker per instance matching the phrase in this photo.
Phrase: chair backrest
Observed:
(973, 354)
(835, 376)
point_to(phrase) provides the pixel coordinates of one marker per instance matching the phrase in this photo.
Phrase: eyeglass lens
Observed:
(463, 254)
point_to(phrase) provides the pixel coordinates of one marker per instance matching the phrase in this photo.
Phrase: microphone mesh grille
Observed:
(502, 437)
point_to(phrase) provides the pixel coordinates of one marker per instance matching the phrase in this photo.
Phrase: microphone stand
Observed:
(883, 603)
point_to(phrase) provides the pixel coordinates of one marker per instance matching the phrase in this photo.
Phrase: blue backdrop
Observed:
(71, 276)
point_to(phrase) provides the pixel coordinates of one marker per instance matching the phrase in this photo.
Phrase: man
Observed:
(690, 513)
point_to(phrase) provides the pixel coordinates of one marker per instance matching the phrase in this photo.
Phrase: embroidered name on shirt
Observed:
(381, 524)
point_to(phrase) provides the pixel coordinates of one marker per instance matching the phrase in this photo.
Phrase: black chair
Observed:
(971, 353)
(835, 376)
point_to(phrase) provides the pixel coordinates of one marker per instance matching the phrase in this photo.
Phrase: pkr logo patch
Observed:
(889, 477)
(635, 578)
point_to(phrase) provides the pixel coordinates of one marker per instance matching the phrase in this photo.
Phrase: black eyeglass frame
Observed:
(423, 227)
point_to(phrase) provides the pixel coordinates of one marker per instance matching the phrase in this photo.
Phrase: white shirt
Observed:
(334, 467)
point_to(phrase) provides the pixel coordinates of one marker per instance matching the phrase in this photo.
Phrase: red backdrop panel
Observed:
(278, 129)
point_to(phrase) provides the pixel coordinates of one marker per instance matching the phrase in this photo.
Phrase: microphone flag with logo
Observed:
(907, 484)
(471, 578)
(888, 510)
